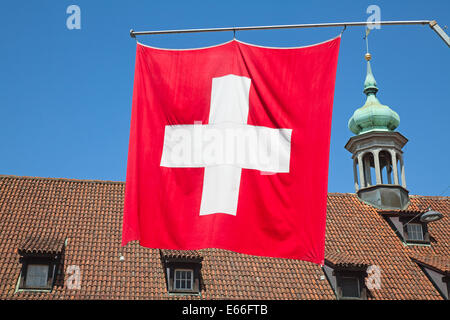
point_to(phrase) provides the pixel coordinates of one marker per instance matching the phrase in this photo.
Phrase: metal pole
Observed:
(287, 26)
(431, 23)
(441, 33)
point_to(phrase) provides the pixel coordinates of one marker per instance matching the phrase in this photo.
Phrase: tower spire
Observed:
(372, 116)
(370, 84)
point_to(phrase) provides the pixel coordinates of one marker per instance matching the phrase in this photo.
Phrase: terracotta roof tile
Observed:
(41, 245)
(344, 260)
(441, 263)
(89, 215)
(192, 255)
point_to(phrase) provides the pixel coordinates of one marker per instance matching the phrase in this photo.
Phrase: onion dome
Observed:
(372, 116)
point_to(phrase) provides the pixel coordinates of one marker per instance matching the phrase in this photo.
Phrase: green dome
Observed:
(373, 116)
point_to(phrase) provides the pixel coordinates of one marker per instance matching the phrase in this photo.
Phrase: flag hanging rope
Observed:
(432, 23)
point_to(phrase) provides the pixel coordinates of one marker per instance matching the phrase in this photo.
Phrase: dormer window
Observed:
(350, 283)
(40, 259)
(37, 274)
(415, 231)
(349, 287)
(437, 270)
(184, 279)
(408, 226)
(346, 276)
(182, 271)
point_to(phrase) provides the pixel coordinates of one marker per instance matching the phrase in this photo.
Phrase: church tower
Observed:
(378, 166)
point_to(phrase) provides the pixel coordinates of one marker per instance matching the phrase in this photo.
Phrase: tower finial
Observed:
(370, 85)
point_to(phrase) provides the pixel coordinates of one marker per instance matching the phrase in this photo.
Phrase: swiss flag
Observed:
(229, 149)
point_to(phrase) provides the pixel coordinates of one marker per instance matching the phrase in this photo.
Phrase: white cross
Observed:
(226, 145)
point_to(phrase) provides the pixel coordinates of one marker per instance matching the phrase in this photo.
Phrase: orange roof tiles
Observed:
(441, 263)
(191, 255)
(41, 245)
(344, 260)
(88, 215)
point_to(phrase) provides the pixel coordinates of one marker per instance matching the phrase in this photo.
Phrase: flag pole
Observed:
(432, 23)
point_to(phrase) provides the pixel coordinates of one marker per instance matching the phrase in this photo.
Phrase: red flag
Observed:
(229, 149)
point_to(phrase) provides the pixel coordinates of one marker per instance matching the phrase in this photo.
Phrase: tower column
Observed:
(355, 174)
(367, 175)
(376, 160)
(402, 169)
(362, 181)
(394, 166)
(389, 170)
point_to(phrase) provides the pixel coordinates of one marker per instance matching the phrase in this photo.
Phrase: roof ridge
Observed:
(425, 196)
(61, 179)
(333, 194)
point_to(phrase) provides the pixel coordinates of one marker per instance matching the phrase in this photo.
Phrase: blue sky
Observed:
(65, 95)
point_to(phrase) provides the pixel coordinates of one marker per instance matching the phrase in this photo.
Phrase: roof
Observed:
(33, 245)
(88, 214)
(344, 260)
(403, 213)
(441, 263)
(182, 255)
